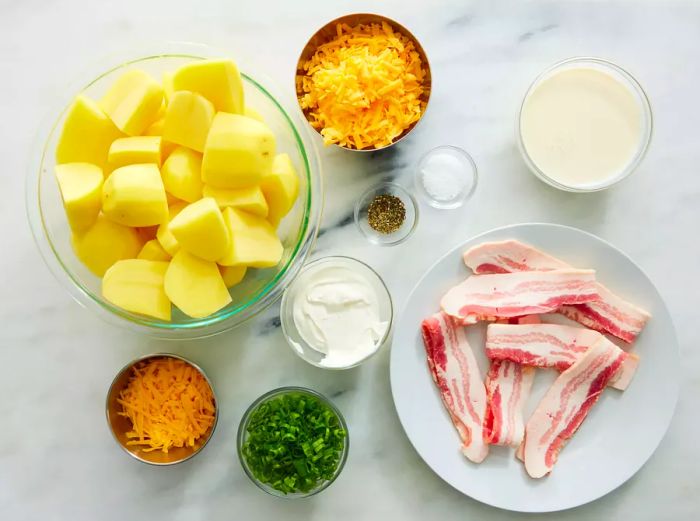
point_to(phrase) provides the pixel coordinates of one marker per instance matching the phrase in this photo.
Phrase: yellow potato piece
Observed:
(166, 147)
(195, 285)
(165, 237)
(252, 113)
(162, 109)
(134, 150)
(182, 174)
(134, 195)
(217, 80)
(200, 230)
(239, 150)
(232, 275)
(188, 119)
(253, 241)
(133, 101)
(250, 199)
(168, 87)
(86, 135)
(152, 250)
(137, 285)
(81, 191)
(104, 243)
(281, 188)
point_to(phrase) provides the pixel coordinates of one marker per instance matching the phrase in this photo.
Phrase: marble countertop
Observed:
(57, 458)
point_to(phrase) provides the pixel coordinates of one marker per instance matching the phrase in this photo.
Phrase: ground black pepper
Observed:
(386, 213)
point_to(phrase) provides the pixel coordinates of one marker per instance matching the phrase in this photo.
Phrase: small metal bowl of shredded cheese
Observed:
(363, 82)
(161, 409)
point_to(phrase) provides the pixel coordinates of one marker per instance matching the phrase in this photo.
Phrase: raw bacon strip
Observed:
(456, 373)
(491, 297)
(509, 256)
(611, 314)
(566, 404)
(508, 386)
(550, 345)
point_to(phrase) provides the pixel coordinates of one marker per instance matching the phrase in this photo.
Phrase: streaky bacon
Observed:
(550, 345)
(455, 372)
(611, 314)
(566, 404)
(497, 296)
(508, 386)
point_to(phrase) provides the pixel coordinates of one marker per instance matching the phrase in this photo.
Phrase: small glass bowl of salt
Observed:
(446, 177)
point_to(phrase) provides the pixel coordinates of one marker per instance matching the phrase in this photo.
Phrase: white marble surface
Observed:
(57, 459)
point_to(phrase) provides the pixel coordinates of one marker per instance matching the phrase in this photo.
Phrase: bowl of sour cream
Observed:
(585, 124)
(337, 313)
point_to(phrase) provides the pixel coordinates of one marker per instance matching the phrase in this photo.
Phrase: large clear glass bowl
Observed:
(261, 287)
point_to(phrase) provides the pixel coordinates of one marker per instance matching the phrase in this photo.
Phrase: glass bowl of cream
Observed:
(585, 124)
(337, 313)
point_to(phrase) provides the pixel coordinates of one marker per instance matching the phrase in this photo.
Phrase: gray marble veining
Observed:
(57, 459)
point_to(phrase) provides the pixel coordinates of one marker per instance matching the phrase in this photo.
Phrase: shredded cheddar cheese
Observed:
(363, 88)
(169, 404)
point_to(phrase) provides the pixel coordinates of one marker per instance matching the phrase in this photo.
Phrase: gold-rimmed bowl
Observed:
(328, 32)
(119, 425)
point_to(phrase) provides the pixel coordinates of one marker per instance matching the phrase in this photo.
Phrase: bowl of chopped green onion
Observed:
(293, 442)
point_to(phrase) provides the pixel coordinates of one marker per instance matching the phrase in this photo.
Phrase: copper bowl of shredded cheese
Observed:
(363, 82)
(161, 409)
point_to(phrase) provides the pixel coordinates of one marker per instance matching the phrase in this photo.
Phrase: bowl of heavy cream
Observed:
(337, 313)
(584, 125)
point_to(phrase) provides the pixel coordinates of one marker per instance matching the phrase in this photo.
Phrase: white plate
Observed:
(618, 436)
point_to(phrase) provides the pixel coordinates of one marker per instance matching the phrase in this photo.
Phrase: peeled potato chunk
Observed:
(238, 151)
(195, 285)
(168, 87)
(281, 188)
(188, 119)
(133, 101)
(165, 237)
(137, 285)
(200, 230)
(253, 241)
(152, 250)
(134, 196)
(232, 275)
(217, 80)
(182, 176)
(86, 135)
(134, 150)
(250, 199)
(252, 113)
(81, 190)
(166, 147)
(104, 243)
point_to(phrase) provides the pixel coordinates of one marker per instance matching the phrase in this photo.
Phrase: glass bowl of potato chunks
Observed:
(175, 194)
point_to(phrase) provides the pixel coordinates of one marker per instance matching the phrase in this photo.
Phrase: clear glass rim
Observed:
(647, 115)
(129, 367)
(222, 320)
(241, 436)
(397, 187)
(287, 323)
(473, 174)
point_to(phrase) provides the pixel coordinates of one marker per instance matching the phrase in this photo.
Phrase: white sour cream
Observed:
(336, 312)
(582, 126)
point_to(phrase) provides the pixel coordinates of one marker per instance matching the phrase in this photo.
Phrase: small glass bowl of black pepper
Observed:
(386, 214)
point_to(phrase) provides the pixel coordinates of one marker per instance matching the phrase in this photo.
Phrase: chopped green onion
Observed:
(294, 442)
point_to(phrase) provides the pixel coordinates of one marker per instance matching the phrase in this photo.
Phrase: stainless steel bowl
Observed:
(328, 32)
(119, 425)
